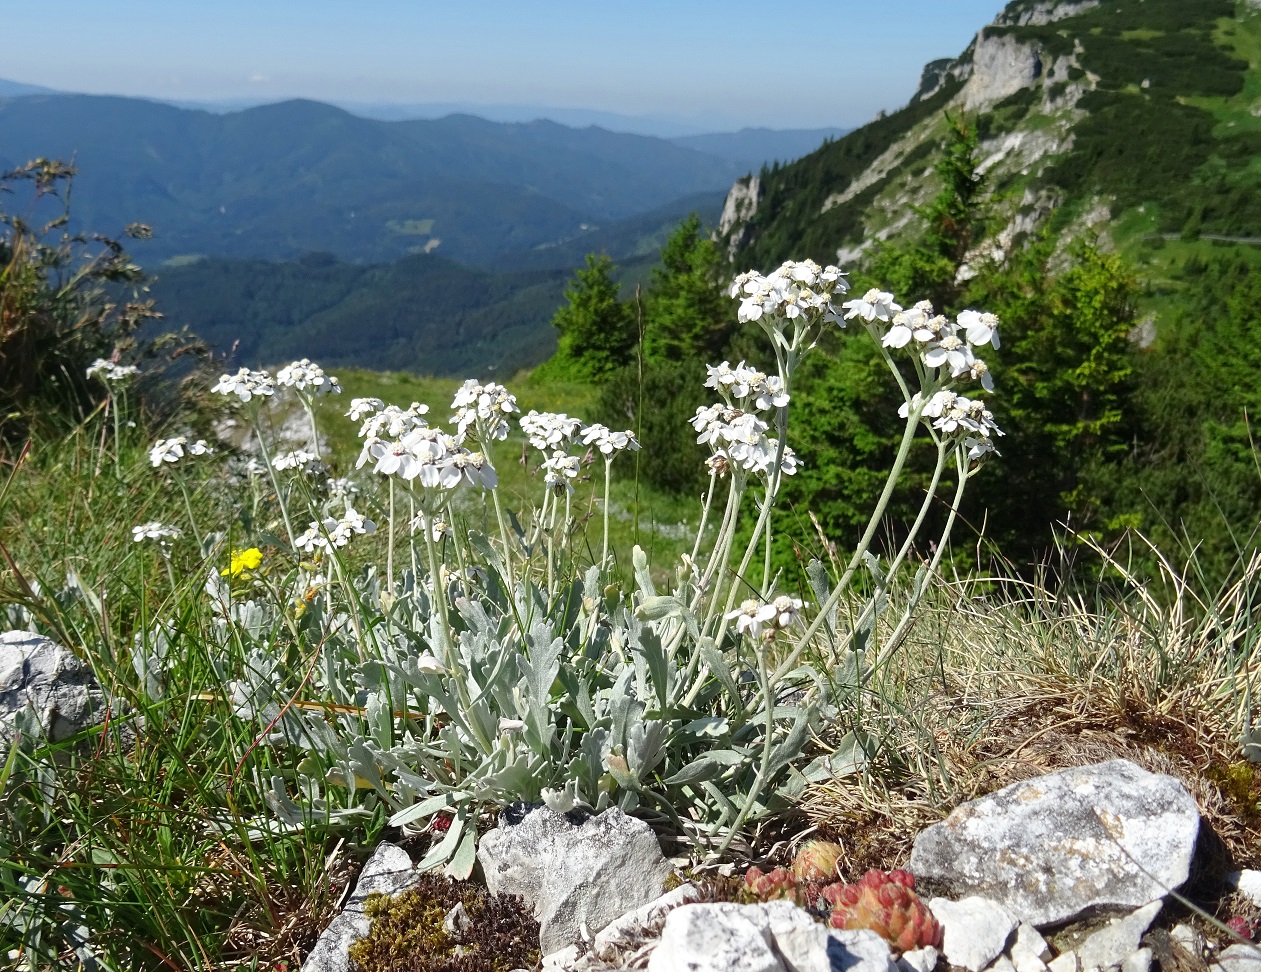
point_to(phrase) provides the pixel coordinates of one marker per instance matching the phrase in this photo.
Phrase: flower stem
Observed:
(604, 548)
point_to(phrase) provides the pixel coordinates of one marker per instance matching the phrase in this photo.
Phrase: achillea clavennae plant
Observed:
(481, 668)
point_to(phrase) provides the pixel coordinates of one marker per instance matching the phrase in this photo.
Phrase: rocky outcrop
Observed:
(1039, 14)
(1108, 836)
(1001, 66)
(46, 682)
(739, 207)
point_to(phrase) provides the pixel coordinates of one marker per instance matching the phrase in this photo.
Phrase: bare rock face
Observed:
(40, 677)
(1001, 66)
(576, 873)
(739, 207)
(1091, 838)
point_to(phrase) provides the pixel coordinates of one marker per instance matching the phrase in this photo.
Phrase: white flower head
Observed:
(979, 328)
(110, 371)
(361, 407)
(875, 305)
(246, 385)
(765, 620)
(548, 431)
(156, 531)
(484, 409)
(797, 291)
(560, 470)
(392, 421)
(609, 442)
(174, 449)
(298, 459)
(306, 376)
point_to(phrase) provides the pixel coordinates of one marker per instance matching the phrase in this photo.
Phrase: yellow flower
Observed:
(243, 561)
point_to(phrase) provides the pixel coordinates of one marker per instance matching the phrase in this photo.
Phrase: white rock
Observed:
(1029, 940)
(974, 931)
(1247, 883)
(633, 927)
(857, 951)
(1139, 961)
(1238, 958)
(918, 960)
(576, 874)
(388, 871)
(1068, 962)
(1048, 849)
(1189, 938)
(1117, 941)
(561, 959)
(715, 938)
(1002, 964)
(46, 681)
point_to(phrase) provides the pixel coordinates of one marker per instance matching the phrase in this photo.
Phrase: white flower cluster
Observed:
(296, 460)
(965, 418)
(387, 421)
(432, 457)
(484, 408)
(796, 290)
(747, 387)
(560, 470)
(607, 441)
(246, 385)
(173, 450)
(303, 375)
(740, 438)
(156, 531)
(109, 371)
(942, 343)
(549, 430)
(330, 532)
(765, 620)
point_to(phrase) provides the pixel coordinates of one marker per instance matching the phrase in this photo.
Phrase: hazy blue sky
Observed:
(803, 64)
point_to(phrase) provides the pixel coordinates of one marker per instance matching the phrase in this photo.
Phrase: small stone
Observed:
(1028, 939)
(576, 873)
(1139, 961)
(1238, 958)
(974, 931)
(1052, 848)
(1247, 883)
(1002, 964)
(858, 950)
(1116, 942)
(1068, 962)
(715, 938)
(1189, 938)
(457, 922)
(918, 960)
(561, 959)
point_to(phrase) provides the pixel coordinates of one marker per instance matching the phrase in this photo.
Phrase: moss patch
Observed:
(407, 933)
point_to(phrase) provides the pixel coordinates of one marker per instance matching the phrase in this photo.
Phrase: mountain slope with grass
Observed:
(1135, 119)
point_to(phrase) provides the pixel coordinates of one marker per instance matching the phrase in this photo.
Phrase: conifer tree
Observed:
(597, 330)
(688, 316)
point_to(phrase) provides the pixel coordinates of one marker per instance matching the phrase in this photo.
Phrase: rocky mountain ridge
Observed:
(1130, 118)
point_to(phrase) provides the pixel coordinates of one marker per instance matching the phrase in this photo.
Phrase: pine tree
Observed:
(687, 314)
(597, 330)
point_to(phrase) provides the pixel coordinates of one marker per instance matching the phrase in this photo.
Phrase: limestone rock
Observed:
(974, 931)
(1238, 958)
(1029, 951)
(1247, 883)
(40, 676)
(1053, 848)
(1067, 962)
(715, 938)
(918, 960)
(1001, 66)
(388, 871)
(576, 873)
(1117, 941)
(1189, 937)
(1139, 961)
(773, 937)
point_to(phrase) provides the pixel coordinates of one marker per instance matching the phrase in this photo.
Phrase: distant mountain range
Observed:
(278, 180)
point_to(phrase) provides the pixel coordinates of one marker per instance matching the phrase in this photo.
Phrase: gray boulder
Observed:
(39, 677)
(1117, 941)
(773, 937)
(388, 871)
(576, 873)
(1108, 836)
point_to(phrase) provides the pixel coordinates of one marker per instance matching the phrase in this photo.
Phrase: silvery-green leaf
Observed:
(714, 726)
(852, 755)
(643, 576)
(706, 767)
(442, 853)
(427, 808)
(465, 857)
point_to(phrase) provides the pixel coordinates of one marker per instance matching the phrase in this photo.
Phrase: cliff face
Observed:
(1130, 117)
